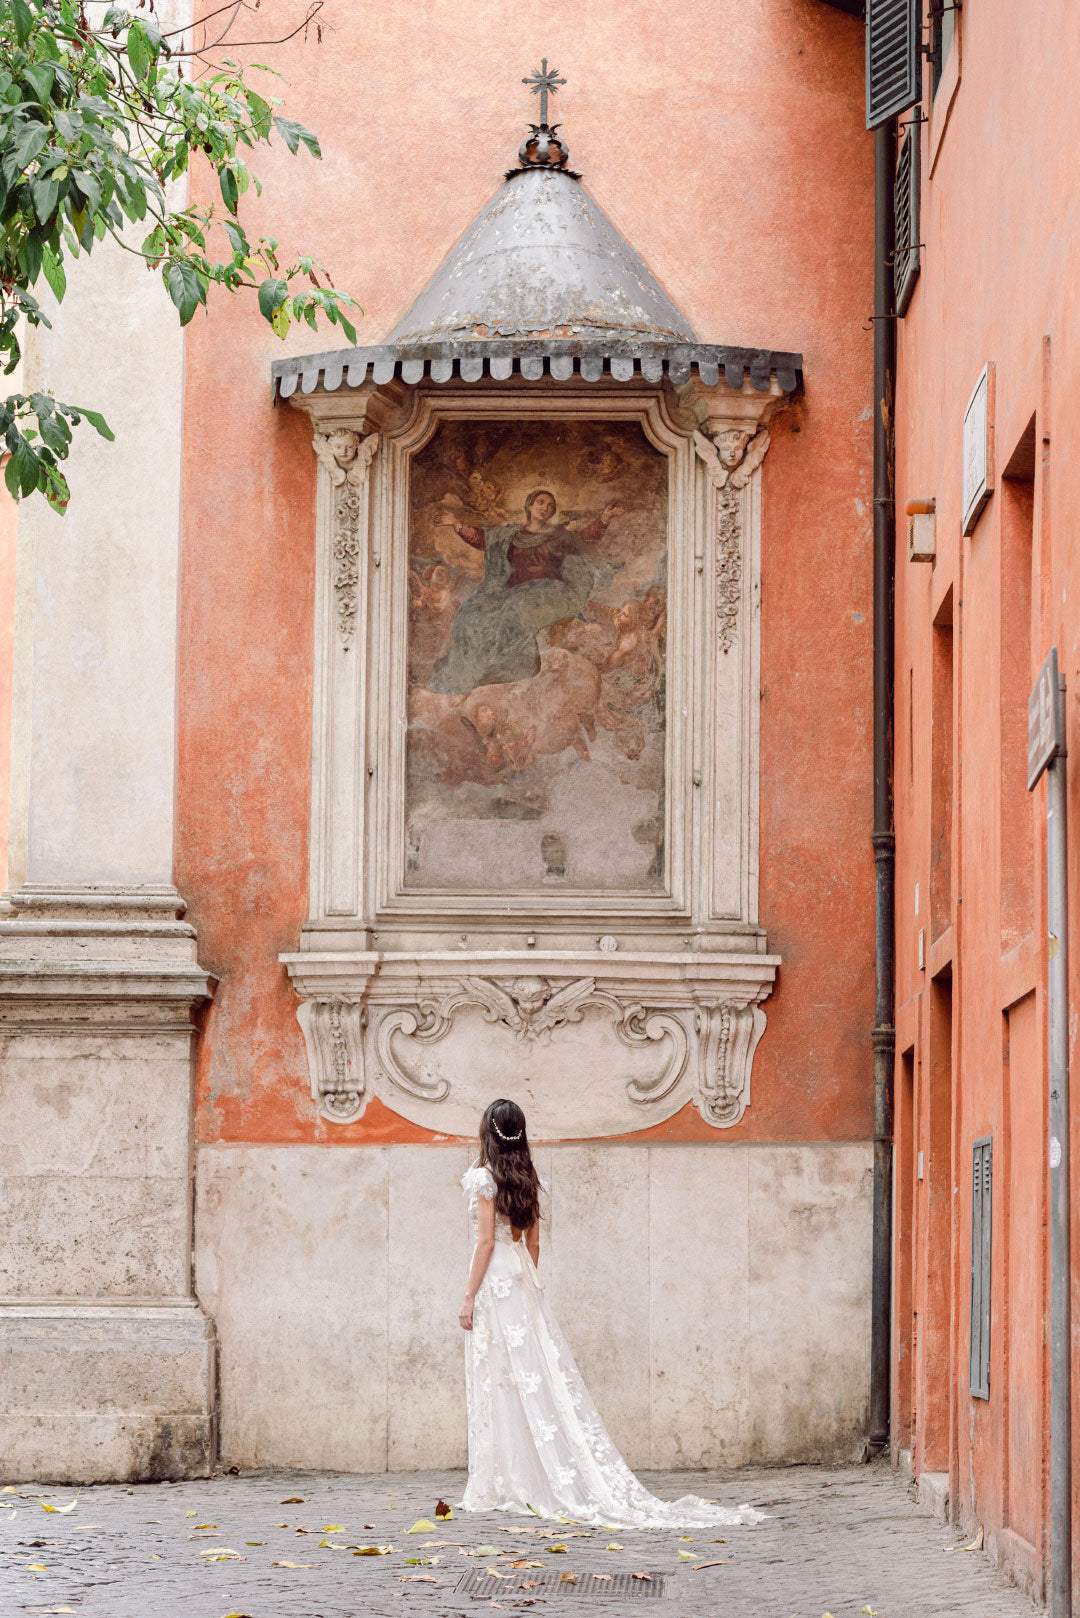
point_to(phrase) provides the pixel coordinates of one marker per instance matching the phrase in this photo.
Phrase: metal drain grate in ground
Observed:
(548, 1584)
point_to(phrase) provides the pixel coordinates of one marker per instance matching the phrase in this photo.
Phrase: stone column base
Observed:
(106, 1392)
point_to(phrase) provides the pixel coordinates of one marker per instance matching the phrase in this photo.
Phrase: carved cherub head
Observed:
(731, 445)
(344, 445)
(530, 994)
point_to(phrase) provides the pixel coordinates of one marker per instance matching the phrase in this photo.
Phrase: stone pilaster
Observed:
(107, 1359)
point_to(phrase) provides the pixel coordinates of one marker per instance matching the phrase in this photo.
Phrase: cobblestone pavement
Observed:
(844, 1542)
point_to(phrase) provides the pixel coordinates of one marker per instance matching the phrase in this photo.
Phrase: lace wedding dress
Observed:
(536, 1441)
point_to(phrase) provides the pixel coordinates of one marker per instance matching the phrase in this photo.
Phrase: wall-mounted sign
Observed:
(1046, 720)
(978, 472)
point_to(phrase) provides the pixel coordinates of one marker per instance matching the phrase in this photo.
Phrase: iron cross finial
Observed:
(540, 81)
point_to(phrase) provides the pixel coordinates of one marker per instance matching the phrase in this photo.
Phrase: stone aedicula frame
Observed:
(680, 971)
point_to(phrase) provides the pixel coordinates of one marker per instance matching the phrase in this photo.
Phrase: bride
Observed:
(536, 1441)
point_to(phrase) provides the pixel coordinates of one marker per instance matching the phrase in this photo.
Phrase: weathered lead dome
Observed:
(543, 260)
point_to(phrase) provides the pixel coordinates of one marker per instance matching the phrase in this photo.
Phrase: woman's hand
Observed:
(465, 1314)
(613, 510)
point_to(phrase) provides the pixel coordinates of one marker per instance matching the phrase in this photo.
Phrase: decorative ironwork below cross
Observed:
(540, 81)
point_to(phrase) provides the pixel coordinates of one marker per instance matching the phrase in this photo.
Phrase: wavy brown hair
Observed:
(504, 1149)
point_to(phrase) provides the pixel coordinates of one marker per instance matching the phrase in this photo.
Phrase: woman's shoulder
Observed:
(478, 1181)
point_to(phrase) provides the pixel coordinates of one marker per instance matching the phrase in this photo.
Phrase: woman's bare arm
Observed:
(485, 1246)
(532, 1241)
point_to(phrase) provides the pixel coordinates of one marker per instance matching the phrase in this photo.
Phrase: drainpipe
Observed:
(884, 841)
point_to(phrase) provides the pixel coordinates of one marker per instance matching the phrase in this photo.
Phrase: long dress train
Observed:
(536, 1441)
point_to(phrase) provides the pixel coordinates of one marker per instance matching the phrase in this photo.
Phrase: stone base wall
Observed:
(717, 1299)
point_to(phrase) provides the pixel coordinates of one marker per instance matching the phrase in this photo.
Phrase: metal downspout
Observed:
(884, 841)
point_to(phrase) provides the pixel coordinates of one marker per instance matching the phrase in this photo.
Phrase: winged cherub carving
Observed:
(527, 1006)
(734, 454)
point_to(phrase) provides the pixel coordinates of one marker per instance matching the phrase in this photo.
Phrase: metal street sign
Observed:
(1046, 721)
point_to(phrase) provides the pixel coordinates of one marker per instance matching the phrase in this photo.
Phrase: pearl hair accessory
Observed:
(509, 1139)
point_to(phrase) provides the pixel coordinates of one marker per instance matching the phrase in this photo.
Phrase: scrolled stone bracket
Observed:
(727, 1039)
(347, 456)
(334, 1037)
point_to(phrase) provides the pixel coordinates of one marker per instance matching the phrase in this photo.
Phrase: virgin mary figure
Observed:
(534, 575)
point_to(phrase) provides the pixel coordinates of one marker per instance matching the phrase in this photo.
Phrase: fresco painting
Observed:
(537, 630)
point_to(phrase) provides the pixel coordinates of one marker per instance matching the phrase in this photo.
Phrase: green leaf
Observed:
(22, 471)
(237, 240)
(29, 257)
(272, 294)
(24, 146)
(293, 133)
(279, 320)
(45, 192)
(185, 288)
(23, 19)
(41, 77)
(98, 422)
(138, 50)
(53, 271)
(229, 191)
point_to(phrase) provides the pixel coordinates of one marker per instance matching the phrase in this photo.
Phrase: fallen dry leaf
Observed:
(35, 1567)
(293, 1500)
(63, 1510)
(422, 1525)
(485, 1550)
(373, 1550)
(189, 1514)
(567, 1578)
(292, 1564)
(524, 1562)
(641, 1575)
(977, 1542)
(687, 1539)
(199, 1526)
(687, 1556)
(557, 1550)
(697, 1567)
(417, 1578)
(332, 1528)
(614, 1546)
(606, 1576)
(443, 1512)
(227, 1615)
(50, 1609)
(222, 1553)
(9, 1488)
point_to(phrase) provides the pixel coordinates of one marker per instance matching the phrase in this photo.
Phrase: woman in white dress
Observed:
(536, 1442)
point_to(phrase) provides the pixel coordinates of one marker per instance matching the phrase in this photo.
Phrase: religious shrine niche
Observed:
(534, 760)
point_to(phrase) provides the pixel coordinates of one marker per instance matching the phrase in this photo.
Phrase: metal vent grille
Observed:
(906, 206)
(595, 1586)
(893, 59)
(982, 1185)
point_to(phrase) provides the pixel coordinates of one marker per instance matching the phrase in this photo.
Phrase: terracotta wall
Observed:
(726, 143)
(999, 270)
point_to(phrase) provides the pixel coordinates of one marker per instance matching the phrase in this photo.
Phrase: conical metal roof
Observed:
(543, 260)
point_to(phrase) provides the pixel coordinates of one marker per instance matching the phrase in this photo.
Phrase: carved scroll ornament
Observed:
(712, 1046)
(347, 456)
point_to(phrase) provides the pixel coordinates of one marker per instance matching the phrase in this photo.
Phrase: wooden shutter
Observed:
(906, 208)
(982, 1165)
(893, 58)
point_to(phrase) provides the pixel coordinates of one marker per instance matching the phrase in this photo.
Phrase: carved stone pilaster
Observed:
(732, 454)
(348, 458)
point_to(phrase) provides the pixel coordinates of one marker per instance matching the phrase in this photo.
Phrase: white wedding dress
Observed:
(536, 1442)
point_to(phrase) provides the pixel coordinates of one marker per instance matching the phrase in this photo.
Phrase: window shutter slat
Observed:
(906, 210)
(893, 61)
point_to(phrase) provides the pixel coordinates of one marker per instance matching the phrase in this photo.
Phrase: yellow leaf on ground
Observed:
(189, 1514)
(9, 1488)
(568, 1578)
(63, 1510)
(373, 1550)
(688, 1556)
(332, 1528)
(422, 1525)
(977, 1542)
(687, 1539)
(292, 1564)
(490, 1550)
(227, 1615)
(558, 1550)
(199, 1526)
(35, 1567)
(614, 1547)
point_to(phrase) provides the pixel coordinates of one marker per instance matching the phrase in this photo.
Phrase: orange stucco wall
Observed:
(726, 143)
(1000, 263)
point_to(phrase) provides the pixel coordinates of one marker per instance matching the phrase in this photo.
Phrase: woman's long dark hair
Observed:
(504, 1149)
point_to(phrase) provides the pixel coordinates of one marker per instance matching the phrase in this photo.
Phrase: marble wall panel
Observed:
(96, 1237)
(429, 1254)
(292, 1265)
(809, 1350)
(717, 1299)
(599, 1280)
(699, 1264)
